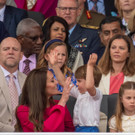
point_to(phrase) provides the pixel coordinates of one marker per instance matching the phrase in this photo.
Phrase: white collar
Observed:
(6, 73)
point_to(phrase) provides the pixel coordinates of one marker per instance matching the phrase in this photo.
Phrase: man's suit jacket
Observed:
(12, 16)
(85, 40)
(109, 7)
(3, 31)
(104, 84)
(5, 102)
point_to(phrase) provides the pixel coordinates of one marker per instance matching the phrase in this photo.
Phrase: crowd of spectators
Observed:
(81, 50)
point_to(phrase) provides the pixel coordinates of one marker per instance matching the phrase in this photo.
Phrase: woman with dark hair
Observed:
(56, 27)
(117, 64)
(37, 110)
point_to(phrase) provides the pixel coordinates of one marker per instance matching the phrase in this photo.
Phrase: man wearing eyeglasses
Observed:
(84, 39)
(30, 36)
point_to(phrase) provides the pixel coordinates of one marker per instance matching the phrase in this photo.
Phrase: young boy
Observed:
(87, 108)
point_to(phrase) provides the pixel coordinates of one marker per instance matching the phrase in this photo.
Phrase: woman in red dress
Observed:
(38, 112)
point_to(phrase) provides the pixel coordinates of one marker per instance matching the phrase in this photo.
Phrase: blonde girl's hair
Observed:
(117, 5)
(131, 22)
(129, 85)
(42, 62)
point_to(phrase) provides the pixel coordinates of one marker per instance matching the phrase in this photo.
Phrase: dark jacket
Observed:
(12, 16)
(85, 40)
(3, 31)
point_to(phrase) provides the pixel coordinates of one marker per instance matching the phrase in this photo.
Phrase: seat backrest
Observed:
(112, 101)
(104, 104)
(108, 106)
(103, 122)
(37, 16)
(70, 103)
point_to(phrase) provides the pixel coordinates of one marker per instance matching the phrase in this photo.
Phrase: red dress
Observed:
(115, 83)
(57, 119)
(46, 7)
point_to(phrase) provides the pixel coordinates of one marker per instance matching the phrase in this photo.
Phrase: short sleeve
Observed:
(98, 95)
(74, 92)
(112, 123)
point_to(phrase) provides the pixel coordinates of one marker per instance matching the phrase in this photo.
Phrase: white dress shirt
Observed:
(6, 74)
(100, 6)
(87, 108)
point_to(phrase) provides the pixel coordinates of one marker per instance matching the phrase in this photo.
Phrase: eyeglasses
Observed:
(35, 39)
(71, 9)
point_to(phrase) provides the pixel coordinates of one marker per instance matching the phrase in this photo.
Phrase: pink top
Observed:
(46, 7)
(115, 83)
(57, 119)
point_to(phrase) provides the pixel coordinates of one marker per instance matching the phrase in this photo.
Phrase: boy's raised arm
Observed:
(90, 84)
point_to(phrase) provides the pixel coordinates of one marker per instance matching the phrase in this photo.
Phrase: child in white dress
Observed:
(124, 118)
(87, 108)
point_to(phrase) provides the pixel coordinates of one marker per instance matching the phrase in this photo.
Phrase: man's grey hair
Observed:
(58, 4)
(25, 25)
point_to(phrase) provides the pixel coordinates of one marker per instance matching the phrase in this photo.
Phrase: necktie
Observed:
(94, 8)
(27, 68)
(13, 95)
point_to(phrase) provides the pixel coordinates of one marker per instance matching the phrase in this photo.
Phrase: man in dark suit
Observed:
(84, 39)
(110, 9)
(11, 16)
(3, 32)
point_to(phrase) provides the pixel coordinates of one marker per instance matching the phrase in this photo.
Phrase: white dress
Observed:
(128, 123)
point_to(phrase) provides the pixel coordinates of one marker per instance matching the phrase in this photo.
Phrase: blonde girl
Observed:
(124, 118)
(47, 58)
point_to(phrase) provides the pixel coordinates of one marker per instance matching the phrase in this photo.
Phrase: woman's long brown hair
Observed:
(34, 96)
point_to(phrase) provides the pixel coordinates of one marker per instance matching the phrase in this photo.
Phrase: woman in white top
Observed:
(117, 64)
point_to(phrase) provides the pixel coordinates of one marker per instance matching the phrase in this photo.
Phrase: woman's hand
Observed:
(66, 90)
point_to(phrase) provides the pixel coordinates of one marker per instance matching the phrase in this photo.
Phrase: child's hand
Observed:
(92, 59)
(53, 58)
